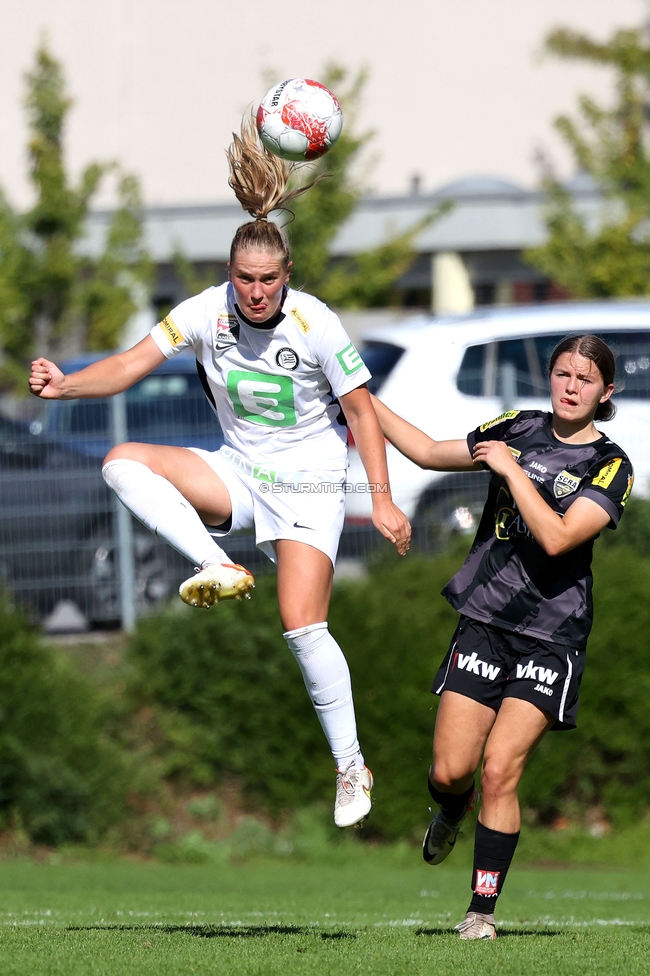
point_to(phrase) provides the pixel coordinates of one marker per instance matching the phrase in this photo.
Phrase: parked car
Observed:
(57, 517)
(449, 375)
(167, 407)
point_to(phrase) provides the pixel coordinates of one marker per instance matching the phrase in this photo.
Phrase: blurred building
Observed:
(471, 256)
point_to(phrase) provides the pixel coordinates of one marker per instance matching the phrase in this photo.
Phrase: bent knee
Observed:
(448, 775)
(499, 777)
(127, 452)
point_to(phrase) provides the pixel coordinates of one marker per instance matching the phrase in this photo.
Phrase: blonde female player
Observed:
(514, 666)
(285, 381)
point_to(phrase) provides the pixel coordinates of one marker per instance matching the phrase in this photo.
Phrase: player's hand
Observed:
(497, 456)
(392, 523)
(46, 380)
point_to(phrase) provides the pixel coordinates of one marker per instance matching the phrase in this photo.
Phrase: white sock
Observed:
(161, 507)
(327, 680)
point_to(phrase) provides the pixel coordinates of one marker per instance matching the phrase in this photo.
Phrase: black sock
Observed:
(493, 853)
(453, 805)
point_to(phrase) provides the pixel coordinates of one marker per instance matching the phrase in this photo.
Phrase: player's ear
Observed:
(607, 392)
(229, 270)
(288, 270)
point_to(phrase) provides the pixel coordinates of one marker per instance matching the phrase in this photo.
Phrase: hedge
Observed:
(230, 701)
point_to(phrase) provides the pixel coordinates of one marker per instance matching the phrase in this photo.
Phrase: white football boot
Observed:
(475, 925)
(222, 581)
(353, 786)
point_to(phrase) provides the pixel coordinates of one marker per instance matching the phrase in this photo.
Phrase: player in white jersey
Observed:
(286, 382)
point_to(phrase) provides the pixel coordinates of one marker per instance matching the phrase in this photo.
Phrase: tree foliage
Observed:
(610, 256)
(50, 289)
(366, 279)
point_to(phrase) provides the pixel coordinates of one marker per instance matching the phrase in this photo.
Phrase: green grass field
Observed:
(372, 915)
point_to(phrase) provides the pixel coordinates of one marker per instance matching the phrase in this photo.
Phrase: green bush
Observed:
(230, 701)
(607, 759)
(633, 531)
(61, 779)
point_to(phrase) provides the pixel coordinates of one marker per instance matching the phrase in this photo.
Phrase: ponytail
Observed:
(260, 182)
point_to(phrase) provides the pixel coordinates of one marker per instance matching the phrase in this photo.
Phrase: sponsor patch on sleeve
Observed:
(300, 319)
(349, 359)
(607, 473)
(628, 490)
(171, 331)
(508, 415)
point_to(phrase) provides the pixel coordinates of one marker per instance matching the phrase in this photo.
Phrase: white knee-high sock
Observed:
(161, 507)
(327, 680)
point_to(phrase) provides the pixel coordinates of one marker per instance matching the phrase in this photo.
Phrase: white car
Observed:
(449, 375)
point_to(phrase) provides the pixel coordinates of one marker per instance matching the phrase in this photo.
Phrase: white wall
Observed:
(455, 88)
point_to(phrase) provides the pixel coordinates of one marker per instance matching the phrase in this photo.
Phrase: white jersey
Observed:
(274, 390)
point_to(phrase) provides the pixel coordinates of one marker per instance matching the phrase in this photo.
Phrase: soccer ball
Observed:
(299, 119)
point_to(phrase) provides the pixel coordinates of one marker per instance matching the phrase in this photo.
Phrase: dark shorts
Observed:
(488, 665)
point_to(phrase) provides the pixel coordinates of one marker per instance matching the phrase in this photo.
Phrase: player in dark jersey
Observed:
(514, 666)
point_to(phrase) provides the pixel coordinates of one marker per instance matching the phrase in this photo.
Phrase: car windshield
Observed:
(157, 405)
(517, 367)
(380, 358)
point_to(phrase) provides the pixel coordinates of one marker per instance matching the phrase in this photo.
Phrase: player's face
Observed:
(258, 278)
(577, 387)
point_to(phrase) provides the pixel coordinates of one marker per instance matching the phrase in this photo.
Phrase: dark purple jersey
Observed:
(508, 580)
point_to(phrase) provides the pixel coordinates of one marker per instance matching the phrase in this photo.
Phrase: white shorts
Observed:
(305, 506)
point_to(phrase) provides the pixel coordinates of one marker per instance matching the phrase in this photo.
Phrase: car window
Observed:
(380, 358)
(518, 367)
(518, 358)
(155, 405)
(470, 374)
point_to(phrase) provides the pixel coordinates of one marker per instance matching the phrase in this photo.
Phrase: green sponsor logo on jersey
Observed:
(350, 360)
(263, 473)
(262, 398)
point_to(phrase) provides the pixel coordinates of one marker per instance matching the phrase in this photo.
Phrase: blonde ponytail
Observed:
(260, 182)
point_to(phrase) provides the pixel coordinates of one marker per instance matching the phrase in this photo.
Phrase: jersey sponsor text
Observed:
(300, 319)
(508, 415)
(536, 673)
(472, 663)
(607, 474)
(171, 331)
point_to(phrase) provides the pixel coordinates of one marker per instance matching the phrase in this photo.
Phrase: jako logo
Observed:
(470, 662)
(487, 883)
(536, 673)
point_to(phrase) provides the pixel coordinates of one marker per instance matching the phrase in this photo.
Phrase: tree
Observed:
(367, 279)
(50, 290)
(611, 146)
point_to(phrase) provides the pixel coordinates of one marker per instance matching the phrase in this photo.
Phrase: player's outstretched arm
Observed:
(418, 447)
(101, 379)
(386, 516)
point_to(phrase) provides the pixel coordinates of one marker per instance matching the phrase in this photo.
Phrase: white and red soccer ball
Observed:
(299, 119)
